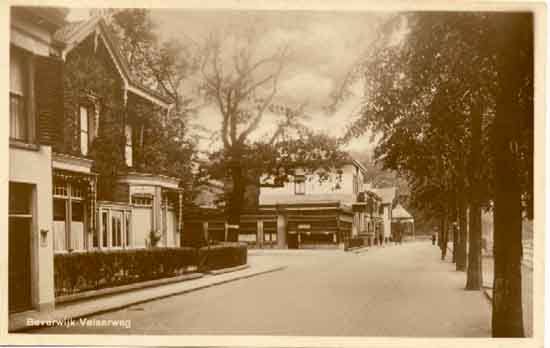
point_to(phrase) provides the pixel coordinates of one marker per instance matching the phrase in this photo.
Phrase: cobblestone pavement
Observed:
(400, 290)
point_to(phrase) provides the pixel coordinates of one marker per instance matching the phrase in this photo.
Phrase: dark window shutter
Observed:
(48, 84)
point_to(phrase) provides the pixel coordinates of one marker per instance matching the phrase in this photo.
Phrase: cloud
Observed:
(307, 86)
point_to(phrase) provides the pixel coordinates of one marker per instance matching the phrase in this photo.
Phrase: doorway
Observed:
(19, 250)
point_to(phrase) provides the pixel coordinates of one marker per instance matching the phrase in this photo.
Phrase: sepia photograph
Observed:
(273, 172)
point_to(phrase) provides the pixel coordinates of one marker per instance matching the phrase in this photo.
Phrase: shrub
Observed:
(81, 271)
(222, 255)
(77, 272)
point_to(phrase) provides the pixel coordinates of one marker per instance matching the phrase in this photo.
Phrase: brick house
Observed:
(82, 173)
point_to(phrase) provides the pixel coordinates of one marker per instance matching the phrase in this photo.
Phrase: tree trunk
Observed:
(440, 235)
(462, 233)
(507, 320)
(455, 242)
(235, 202)
(474, 278)
(445, 233)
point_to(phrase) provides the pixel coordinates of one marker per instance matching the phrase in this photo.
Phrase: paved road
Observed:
(393, 291)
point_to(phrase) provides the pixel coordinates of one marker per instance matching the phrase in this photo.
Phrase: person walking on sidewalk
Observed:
(433, 238)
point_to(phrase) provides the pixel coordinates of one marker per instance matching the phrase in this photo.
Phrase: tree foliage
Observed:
(165, 67)
(242, 81)
(434, 95)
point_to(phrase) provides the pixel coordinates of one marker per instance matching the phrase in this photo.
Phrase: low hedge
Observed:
(356, 242)
(222, 255)
(82, 271)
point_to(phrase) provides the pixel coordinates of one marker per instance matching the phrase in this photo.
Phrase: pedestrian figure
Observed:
(433, 238)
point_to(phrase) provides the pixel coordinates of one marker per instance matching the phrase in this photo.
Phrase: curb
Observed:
(228, 270)
(126, 288)
(22, 326)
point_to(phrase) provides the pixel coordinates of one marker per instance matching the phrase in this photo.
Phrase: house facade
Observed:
(312, 213)
(30, 210)
(81, 174)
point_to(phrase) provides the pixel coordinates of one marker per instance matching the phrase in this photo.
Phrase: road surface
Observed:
(402, 290)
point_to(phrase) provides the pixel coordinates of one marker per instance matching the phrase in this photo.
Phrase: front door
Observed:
(293, 241)
(19, 250)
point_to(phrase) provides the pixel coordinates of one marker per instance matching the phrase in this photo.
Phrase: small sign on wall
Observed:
(43, 238)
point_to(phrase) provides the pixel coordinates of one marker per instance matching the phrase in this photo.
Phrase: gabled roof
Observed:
(387, 194)
(399, 213)
(72, 34)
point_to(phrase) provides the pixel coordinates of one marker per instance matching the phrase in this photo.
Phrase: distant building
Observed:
(311, 214)
(387, 195)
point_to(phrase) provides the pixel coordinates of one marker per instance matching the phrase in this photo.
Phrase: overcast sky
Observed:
(325, 46)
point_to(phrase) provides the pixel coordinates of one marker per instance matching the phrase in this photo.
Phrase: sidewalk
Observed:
(74, 310)
(487, 268)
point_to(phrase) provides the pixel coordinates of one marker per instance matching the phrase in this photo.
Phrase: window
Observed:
(77, 212)
(59, 209)
(104, 222)
(128, 146)
(60, 190)
(300, 185)
(20, 199)
(116, 230)
(145, 201)
(128, 216)
(84, 136)
(20, 124)
(69, 216)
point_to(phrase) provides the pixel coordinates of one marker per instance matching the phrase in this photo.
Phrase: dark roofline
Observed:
(114, 46)
(113, 41)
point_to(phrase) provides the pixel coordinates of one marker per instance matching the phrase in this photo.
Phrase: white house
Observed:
(30, 156)
(313, 213)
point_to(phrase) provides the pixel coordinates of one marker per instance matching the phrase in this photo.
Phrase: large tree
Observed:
(242, 81)
(450, 101)
(513, 151)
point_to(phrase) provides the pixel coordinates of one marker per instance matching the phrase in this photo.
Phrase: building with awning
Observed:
(402, 221)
